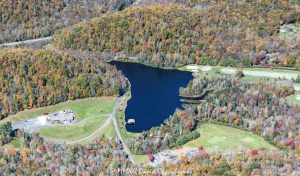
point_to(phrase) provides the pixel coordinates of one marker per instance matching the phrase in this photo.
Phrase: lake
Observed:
(155, 94)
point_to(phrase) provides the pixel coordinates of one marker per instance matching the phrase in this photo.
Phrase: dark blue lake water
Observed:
(155, 94)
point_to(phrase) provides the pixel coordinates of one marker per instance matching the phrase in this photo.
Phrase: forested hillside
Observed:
(225, 33)
(23, 19)
(36, 78)
(257, 106)
(203, 3)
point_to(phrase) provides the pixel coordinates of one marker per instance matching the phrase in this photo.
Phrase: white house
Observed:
(42, 120)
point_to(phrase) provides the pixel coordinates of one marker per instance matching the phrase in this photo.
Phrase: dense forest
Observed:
(36, 78)
(201, 3)
(171, 35)
(23, 19)
(41, 157)
(106, 157)
(257, 106)
(239, 162)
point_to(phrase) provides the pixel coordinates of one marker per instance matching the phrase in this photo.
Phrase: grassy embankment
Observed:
(223, 138)
(106, 131)
(120, 117)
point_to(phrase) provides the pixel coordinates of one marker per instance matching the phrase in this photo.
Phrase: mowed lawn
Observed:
(294, 99)
(83, 108)
(223, 138)
(14, 144)
(141, 159)
(108, 132)
(75, 132)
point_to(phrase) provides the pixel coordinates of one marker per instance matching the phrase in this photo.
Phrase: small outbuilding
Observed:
(61, 117)
(131, 121)
(42, 120)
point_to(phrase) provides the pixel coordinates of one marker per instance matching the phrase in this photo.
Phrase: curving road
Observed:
(112, 116)
(12, 44)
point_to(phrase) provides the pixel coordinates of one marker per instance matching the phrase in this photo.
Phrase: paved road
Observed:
(11, 44)
(113, 117)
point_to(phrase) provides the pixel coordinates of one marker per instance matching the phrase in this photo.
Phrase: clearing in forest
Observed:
(83, 108)
(225, 138)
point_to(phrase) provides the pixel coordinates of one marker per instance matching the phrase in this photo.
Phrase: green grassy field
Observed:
(83, 108)
(289, 30)
(110, 131)
(297, 86)
(294, 99)
(223, 138)
(251, 72)
(14, 144)
(141, 159)
(72, 133)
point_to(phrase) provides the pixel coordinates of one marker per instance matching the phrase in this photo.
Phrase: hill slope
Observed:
(23, 19)
(39, 78)
(168, 35)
